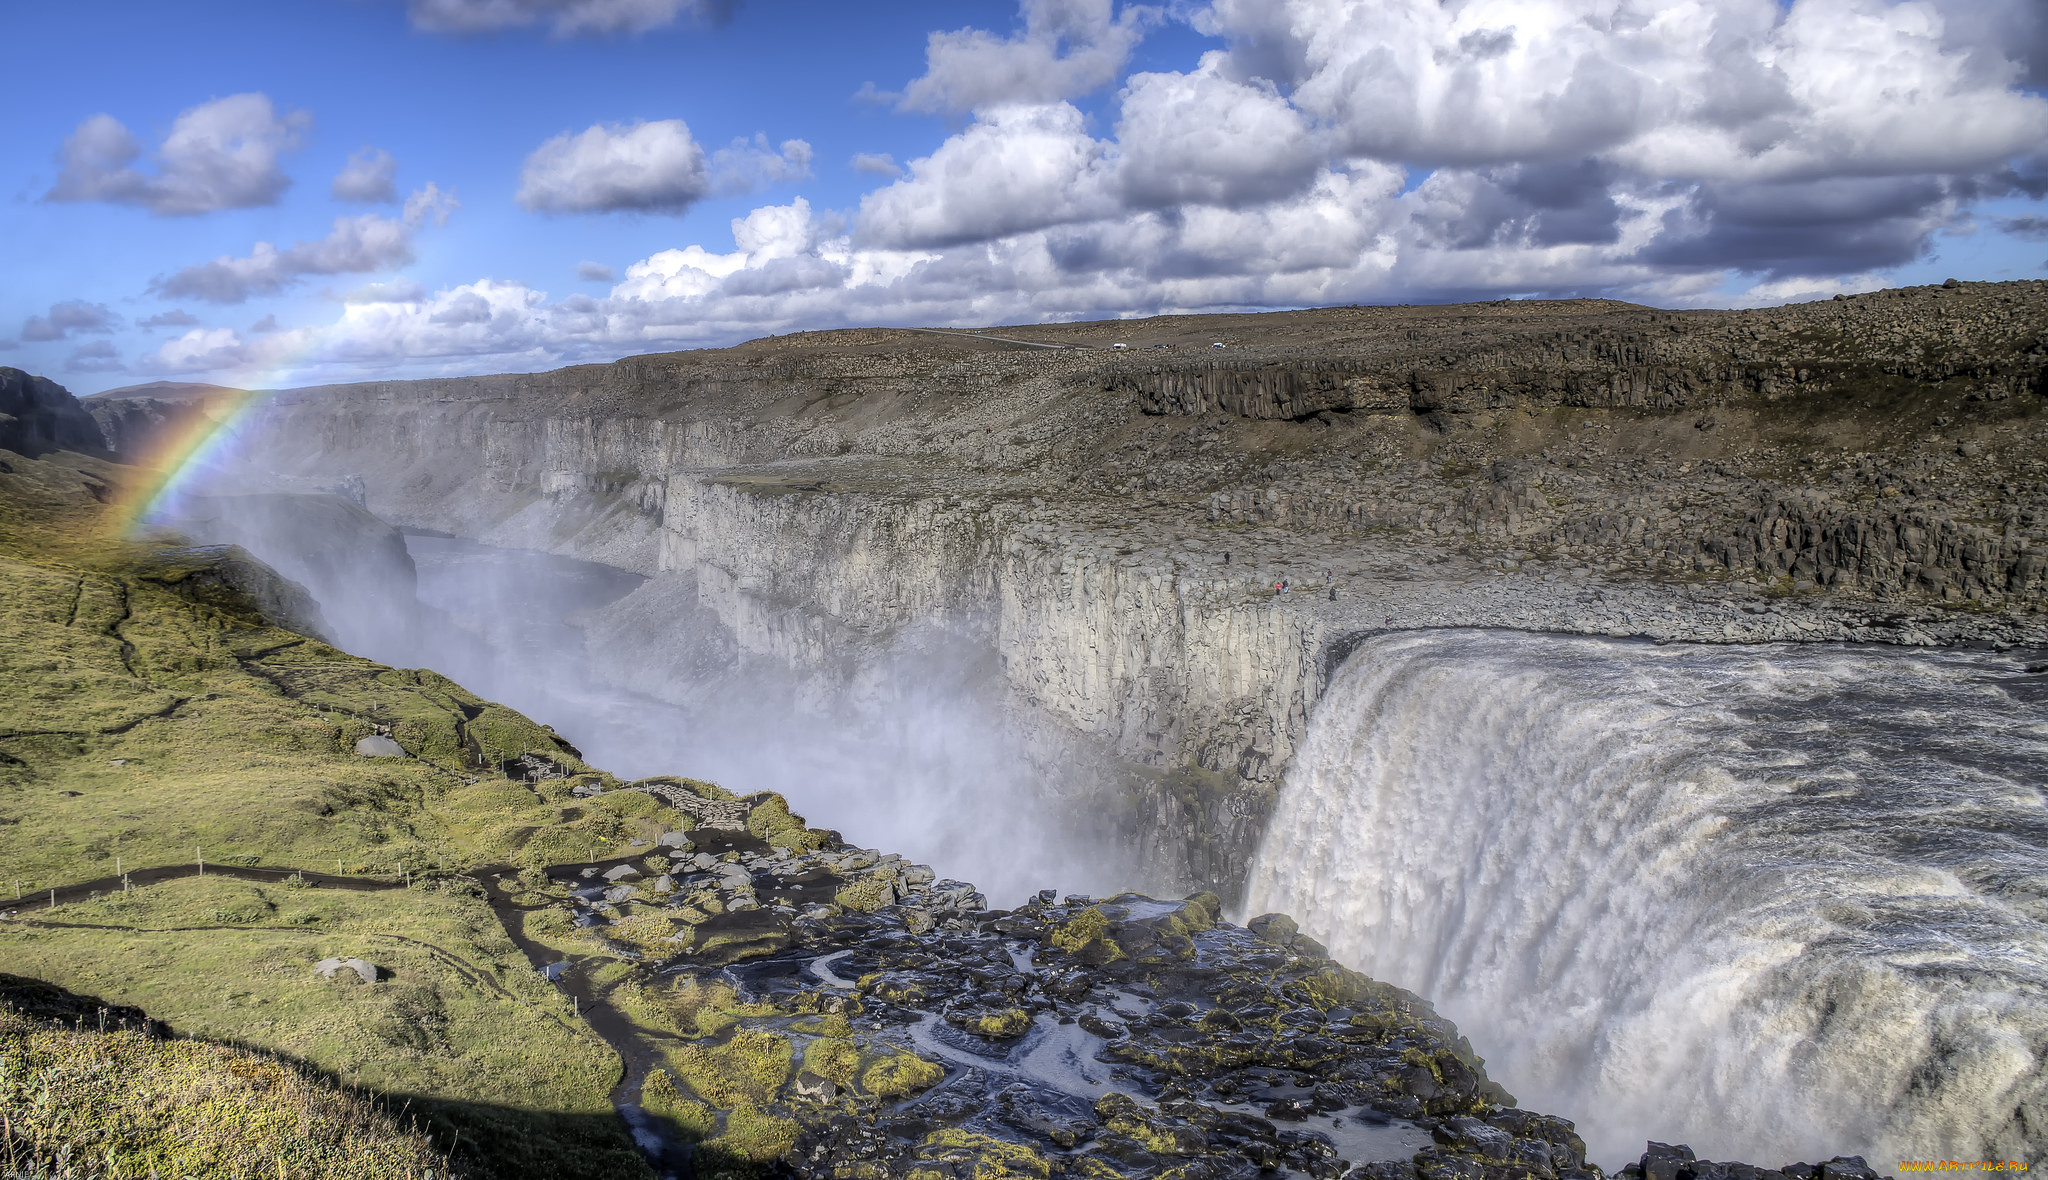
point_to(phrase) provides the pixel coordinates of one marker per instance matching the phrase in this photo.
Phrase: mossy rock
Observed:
(1086, 936)
(771, 820)
(749, 1068)
(731, 937)
(1003, 1025)
(648, 930)
(837, 1059)
(866, 895)
(899, 1073)
(982, 1157)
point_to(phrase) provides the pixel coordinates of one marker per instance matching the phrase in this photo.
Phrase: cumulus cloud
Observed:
(595, 272)
(219, 155)
(356, 245)
(71, 317)
(1333, 151)
(646, 167)
(202, 350)
(100, 356)
(1205, 138)
(656, 167)
(1015, 168)
(1067, 48)
(367, 178)
(174, 318)
(565, 18)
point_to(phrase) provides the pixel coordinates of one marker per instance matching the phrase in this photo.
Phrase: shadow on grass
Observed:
(485, 1141)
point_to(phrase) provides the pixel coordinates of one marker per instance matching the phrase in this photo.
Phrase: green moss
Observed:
(648, 930)
(983, 1157)
(1001, 1026)
(898, 1073)
(690, 1008)
(771, 820)
(865, 896)
(1088, 928)
(756, 1136)
(658, 1094)
(1160, 1135)
(834, 1058)
(748, 1069)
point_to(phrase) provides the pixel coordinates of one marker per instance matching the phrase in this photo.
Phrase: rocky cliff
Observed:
(38, 416)
(1165, 548)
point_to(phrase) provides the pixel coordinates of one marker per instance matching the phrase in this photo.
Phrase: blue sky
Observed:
(1066, 158)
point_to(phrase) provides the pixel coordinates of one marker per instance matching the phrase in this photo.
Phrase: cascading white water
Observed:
(1777, 903)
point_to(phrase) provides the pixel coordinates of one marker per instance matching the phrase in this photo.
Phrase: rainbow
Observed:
(190, 446)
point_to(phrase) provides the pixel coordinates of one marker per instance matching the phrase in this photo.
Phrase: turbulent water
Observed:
(1775, 902)
(930, 776)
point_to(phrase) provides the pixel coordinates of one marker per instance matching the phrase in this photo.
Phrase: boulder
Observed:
(621, 873)
(379, 746)
(328, 968)
(1278, 929)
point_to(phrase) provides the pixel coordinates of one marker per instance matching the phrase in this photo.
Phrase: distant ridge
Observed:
(165, 390)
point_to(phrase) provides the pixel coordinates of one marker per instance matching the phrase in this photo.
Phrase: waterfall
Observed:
(1776, 902)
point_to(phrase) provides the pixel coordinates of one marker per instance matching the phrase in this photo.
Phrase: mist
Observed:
(908, 747)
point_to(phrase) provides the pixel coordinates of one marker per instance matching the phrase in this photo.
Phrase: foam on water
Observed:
(1776, 902)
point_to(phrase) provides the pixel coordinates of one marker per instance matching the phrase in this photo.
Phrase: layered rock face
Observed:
(38, 416)
(1163, 551)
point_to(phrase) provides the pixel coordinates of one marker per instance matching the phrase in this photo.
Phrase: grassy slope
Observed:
(139, 724)
(184, 1108)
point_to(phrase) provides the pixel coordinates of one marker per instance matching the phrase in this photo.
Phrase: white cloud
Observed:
(1015, 168)
(654, 167)
(201, 350)
(174, 318)
(565, 18)
(595, 272)
(750, 164)
(356, 245)
(1067, 48)
(367, 177)
(876, 164)
(648, 167)
(219, 155)
(69, 317)
(1204, 138)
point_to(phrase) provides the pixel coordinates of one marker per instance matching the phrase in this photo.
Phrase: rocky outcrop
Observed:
(800, 1006)
(228, 578)
(38, 416)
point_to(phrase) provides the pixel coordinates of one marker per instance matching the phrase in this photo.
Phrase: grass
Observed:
(151, 716)
(120, 1104)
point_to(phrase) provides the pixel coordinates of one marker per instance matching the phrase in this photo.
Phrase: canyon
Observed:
(1145, 547)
